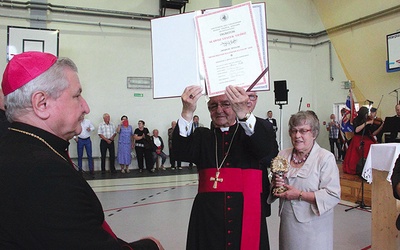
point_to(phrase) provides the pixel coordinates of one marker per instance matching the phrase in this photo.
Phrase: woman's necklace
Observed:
(40, 139)
(216, 179)
(296, 161)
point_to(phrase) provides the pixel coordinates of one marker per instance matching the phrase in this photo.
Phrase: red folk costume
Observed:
(360, 143)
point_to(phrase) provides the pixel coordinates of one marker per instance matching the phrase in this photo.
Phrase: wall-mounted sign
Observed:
(138, 82)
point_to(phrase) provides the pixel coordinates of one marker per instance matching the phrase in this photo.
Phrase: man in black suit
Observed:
(394, 135)
(272, 120)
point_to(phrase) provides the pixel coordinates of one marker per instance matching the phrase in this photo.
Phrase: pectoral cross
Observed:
(216, 180)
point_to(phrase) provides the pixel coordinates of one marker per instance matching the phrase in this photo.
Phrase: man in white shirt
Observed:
(107, 134)
(83, 142)
(159, 145)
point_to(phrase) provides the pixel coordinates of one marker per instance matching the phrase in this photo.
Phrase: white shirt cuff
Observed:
(185, 127)
(249, 125)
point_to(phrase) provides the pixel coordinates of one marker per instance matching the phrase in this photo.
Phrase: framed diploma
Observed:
(178, 55)
(229, 48)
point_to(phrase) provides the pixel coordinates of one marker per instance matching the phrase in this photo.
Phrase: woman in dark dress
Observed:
(140, 147)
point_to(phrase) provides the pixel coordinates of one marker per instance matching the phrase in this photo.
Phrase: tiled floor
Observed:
(143, 204)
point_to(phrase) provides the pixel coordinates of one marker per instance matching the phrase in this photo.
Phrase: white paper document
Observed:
(229, 48)
(217, 48)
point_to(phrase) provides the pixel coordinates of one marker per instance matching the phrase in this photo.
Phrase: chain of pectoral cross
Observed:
(216, 179)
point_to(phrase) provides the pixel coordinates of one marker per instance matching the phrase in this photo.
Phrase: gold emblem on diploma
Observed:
(279, 166)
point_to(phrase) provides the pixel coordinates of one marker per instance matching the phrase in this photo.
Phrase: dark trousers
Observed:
(103, 150)
(333, 141)
(142, 153)
(85, 144)
(172, 159)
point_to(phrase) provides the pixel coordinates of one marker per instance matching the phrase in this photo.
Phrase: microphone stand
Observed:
(397, 95)
(280, 126)
(361, 203)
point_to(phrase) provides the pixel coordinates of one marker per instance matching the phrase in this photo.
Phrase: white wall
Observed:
(106, 56)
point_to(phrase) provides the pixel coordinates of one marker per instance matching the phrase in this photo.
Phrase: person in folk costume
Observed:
(364, 137)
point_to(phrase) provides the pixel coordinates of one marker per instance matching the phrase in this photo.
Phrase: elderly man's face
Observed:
(68, 110)
(252, 100)
(155, 133)
(221, 111)
(106, 119)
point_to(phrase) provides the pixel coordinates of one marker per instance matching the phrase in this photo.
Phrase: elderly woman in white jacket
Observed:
(313, 188)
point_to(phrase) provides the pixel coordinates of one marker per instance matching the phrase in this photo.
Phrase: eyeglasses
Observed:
(294, 131)
(214, 106)
(253, 97)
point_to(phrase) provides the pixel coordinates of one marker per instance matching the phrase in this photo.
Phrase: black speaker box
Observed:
(281, 92)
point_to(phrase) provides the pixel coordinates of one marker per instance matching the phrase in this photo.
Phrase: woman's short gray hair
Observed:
(53, 81)
(305, 117)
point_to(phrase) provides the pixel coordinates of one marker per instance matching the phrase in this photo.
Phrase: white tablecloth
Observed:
(381, 157)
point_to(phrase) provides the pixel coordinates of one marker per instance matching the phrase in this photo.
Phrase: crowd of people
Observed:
(148, 147)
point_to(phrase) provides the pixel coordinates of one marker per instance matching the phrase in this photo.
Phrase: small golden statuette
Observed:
(279, 166)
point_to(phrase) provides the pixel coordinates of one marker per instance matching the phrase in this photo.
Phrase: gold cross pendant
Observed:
(216, 180)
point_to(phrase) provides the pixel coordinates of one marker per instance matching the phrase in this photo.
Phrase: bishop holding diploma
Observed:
(228, 211)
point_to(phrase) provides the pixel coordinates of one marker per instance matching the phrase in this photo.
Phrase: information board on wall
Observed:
(393, 52)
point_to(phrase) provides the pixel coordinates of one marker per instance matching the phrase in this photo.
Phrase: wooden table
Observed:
(378, 170)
